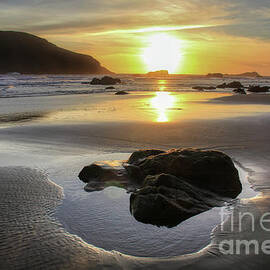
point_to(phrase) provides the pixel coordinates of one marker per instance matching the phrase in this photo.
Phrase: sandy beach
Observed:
(45, 142)
(134, 135)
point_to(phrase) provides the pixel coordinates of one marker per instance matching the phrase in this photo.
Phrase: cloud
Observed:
(47, 16)
(112, 27)
(242, 17)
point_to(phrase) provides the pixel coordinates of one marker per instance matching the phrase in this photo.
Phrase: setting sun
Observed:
(163, 53)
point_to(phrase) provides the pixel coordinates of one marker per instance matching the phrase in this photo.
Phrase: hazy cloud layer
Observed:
(242, 17)
(115, 31)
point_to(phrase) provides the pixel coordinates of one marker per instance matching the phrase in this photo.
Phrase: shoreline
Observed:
(198, 260)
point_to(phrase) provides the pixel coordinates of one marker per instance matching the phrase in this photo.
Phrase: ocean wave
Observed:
(54, 93)
(16, 85)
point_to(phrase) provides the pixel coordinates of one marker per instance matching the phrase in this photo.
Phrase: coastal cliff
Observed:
(28, 54)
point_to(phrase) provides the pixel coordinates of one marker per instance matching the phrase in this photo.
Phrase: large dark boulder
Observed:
(106, 80)
(171, 185)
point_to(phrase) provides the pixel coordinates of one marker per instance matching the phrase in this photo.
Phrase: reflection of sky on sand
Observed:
(161, 103)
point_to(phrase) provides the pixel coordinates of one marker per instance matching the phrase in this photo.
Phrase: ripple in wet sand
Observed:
(29, 237)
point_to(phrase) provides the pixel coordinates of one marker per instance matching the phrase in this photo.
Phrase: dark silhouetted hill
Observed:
(29, 54)
(245, 74)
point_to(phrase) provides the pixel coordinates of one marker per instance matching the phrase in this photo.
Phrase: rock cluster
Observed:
(234, 84)
(106, 80)
(170, 186)
(239, 88)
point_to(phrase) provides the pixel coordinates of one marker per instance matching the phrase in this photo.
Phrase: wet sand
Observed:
(241, 132)
(244, 99)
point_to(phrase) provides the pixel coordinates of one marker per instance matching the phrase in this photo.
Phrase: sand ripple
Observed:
(29, 237)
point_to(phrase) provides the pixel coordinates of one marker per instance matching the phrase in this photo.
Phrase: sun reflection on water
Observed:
(161, 82)
(162, 85)
(161, 103)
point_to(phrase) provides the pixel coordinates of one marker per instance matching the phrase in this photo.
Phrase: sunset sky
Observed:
(210, 35)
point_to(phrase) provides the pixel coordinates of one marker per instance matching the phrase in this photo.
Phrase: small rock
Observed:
(258, 89)
(240, 91)
(224, 85)
(102, 175)
(234, 84)
(90, 172)
(201, 88)
(121, 93)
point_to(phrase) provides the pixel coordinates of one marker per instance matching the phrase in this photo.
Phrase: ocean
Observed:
(16, 85)
(54, 125)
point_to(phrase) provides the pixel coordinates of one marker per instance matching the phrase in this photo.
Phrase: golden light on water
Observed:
(162, 102)
(163, 53)
(161, 82)
(162, 85)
